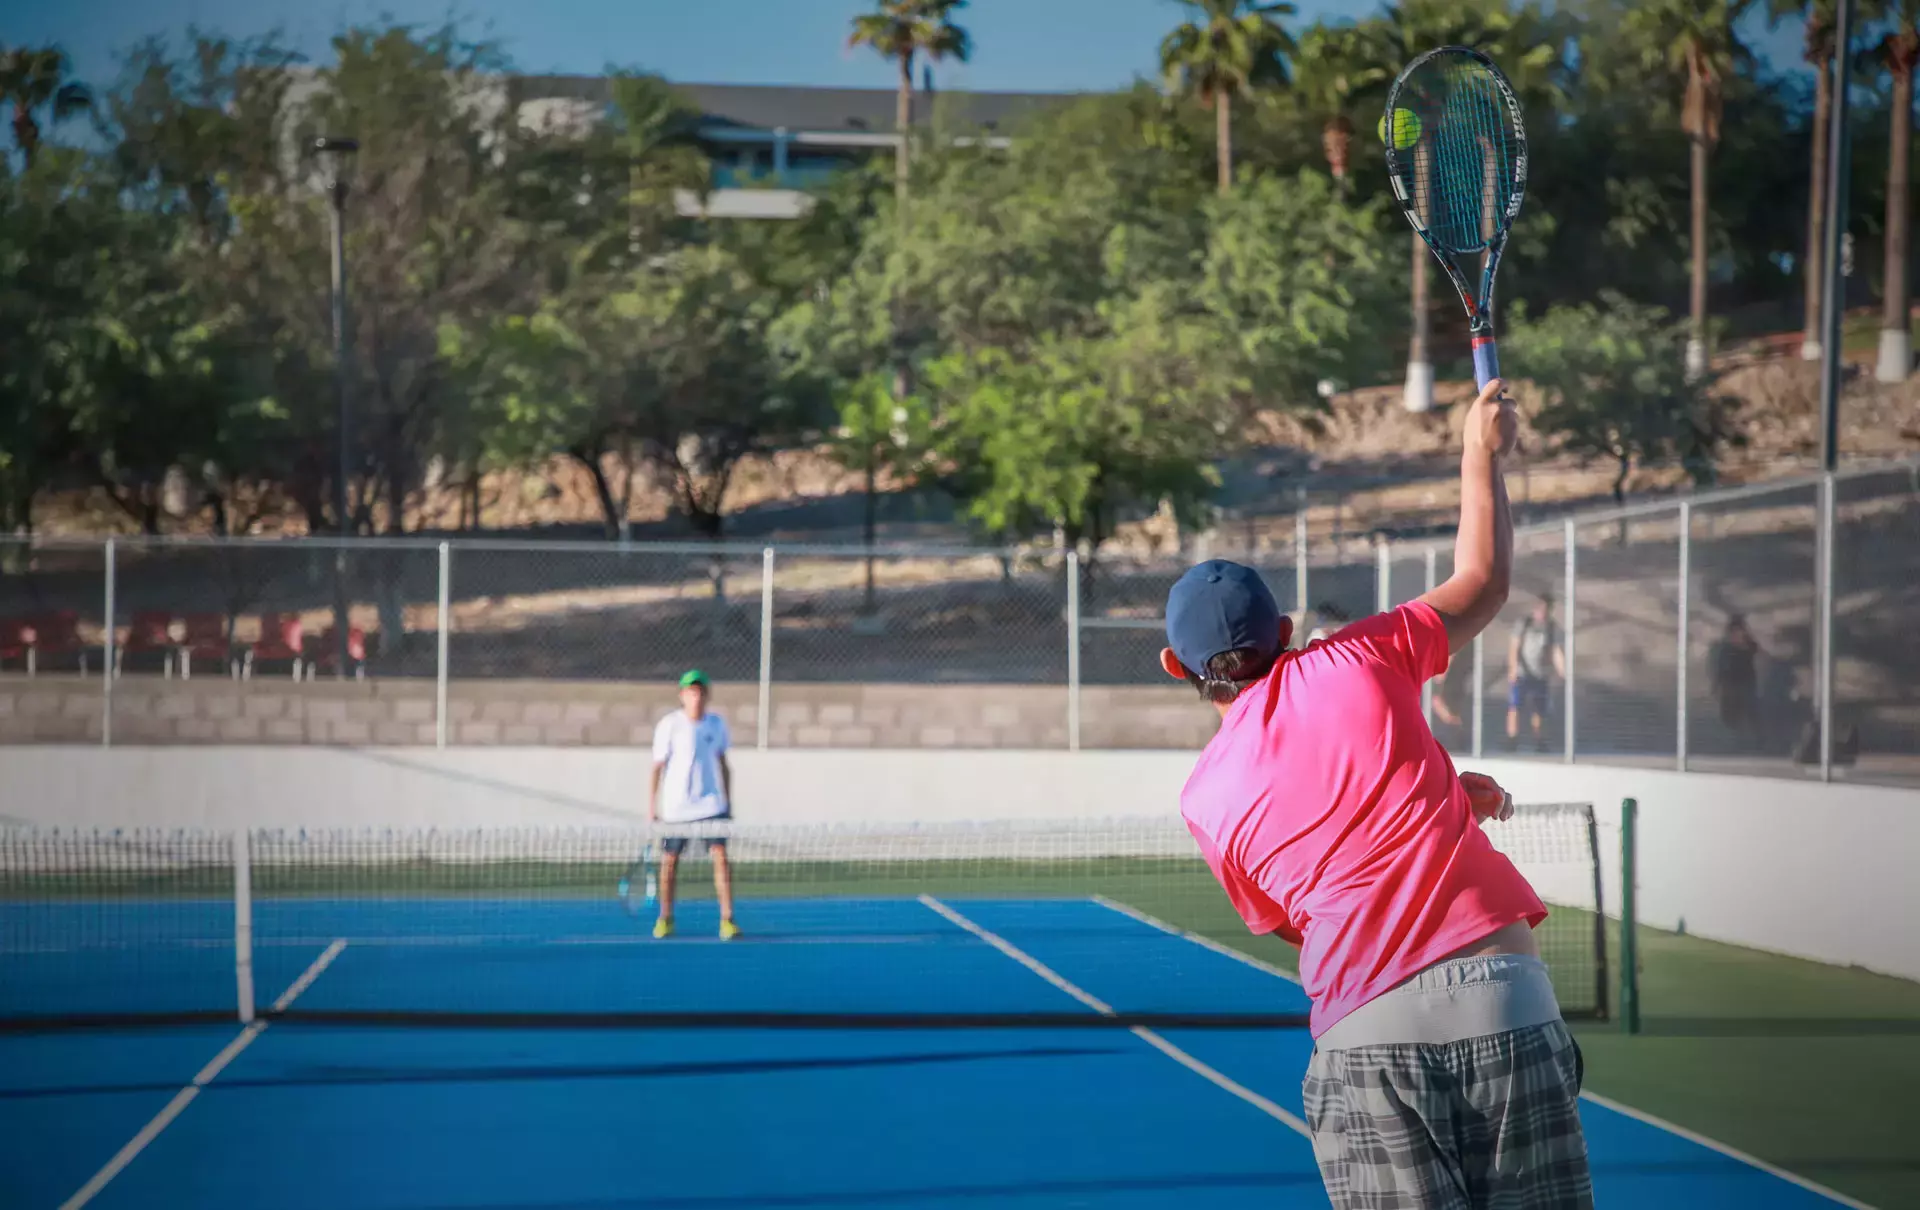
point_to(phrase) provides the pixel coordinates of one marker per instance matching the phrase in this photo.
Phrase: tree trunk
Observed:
(1419, 386)
(1697, 294)
(1223, 139)
(1896, 335)
(903, 126)
(1811, 277)
(609, 507)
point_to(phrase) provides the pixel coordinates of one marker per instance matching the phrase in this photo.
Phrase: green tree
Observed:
(1334, 69)
(1611, 384)
(1229, 48)
(900, 30)
(1696, 38)
(33, 80)
(1899, 50)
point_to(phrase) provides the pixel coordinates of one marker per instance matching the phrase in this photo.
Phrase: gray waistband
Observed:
(1450, 1002)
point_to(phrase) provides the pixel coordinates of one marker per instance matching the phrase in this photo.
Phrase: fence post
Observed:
(764, 730)
(1567, 628)
(243, 923)
(1680, 643)
(1479, 694)
(1073, 651)
(443, 620)
(1426, 687)
(1826, 626)
(1300, 597)
(1383, 576)
(1629, 917)
(108, 651)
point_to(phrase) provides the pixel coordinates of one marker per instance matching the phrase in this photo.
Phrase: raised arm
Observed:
(1483, 550)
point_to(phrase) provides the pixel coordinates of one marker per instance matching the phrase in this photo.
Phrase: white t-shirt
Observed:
(690, 786)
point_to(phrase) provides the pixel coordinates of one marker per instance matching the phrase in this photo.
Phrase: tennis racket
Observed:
(1457, 156)
(640, 885)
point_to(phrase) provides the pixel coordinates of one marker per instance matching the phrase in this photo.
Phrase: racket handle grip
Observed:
(1486, 360)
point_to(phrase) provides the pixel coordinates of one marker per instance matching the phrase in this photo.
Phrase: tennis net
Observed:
(1060, 923)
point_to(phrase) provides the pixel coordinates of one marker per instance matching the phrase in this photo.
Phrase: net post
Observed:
(1629, 917)
(1680, 640)
(1383, 576)
(108, 648)
(1426, 686)
(243, 923)
(1566, 629)
(1602, 983)
(1300, 597)
(1073, 651)
(763, 727)
(442, 619)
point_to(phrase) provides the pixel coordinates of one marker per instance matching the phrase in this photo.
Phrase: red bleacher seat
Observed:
(280, 639)
(205, 638)
(16, 642)
(324, 650)
(151, 633)
(57, 633)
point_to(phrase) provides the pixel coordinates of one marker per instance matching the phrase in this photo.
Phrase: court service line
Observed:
(205, 1076)
(1608, 1103)
(1213, 1075)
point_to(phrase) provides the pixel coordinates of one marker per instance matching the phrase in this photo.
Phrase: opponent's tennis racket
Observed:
(1457, 156)
(640, 885)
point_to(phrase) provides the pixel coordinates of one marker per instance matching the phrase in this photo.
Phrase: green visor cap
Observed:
(694, 676)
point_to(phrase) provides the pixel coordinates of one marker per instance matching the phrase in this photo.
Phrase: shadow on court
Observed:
(348, 1076)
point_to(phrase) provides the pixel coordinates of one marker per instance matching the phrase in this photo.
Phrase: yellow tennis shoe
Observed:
(663, 928)
(728, 930)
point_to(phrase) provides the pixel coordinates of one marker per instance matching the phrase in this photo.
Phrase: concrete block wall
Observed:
(150, 710)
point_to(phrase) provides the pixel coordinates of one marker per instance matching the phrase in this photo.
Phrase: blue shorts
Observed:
(1528, 695)
(673, 846)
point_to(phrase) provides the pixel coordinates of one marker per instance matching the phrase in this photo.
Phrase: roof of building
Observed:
(766, 107)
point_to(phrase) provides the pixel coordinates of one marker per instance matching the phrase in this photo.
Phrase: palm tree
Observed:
(1900, 52)
(899, 30)
(1334, 69)
(1698, 38)
(1232, 47)
(32, 79)
(1821, 16)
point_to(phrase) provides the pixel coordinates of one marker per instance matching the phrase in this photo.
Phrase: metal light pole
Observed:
(1833, 290)
(337, 155)
(1838, 171)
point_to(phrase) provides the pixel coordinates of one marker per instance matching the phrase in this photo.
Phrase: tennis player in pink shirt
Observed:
(1443, 1077)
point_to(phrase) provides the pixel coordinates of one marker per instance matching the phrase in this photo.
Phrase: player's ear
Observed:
(1170, 664)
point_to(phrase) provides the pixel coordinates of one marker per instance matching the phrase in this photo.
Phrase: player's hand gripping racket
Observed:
(1457, 156)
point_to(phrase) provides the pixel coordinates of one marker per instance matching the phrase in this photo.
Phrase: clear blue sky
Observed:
(1017, 42)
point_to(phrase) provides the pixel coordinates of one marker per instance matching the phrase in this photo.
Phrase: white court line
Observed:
(1151, 1038)
(201, 1079)
(1732, 1153)
(1638, 1115)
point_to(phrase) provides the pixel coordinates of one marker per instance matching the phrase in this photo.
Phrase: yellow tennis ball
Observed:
(1406, 129)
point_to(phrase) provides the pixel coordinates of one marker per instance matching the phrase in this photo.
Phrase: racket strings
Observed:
(1463, 165)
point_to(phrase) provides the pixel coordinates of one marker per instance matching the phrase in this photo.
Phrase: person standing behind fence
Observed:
(1534, 657)
(692, 784)
(1734, 675)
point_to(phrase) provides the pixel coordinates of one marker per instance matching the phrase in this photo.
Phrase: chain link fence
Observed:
(1686, 635)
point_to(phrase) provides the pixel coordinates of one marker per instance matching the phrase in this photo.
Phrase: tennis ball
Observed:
(1406, 129)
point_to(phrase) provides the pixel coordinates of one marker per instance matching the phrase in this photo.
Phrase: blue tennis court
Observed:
(301, 1114)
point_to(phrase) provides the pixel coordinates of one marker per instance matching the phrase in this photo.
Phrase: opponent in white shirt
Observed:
(692, 783)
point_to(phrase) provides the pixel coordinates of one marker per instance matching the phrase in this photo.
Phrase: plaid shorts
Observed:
(1489, 1123)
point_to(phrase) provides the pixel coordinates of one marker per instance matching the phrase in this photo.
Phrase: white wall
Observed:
(1825, 872)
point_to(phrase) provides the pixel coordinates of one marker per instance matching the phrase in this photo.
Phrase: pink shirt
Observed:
(1332, 816)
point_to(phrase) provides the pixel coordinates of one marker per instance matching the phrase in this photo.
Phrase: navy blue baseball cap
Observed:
(1220, 606)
